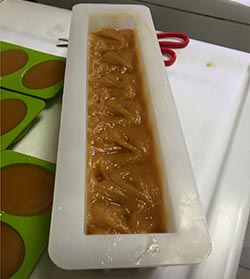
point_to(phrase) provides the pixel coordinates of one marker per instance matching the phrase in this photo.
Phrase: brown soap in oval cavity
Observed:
(12, 251)
(26, 189)
(12, 60)
(13, 111)
(44, 74)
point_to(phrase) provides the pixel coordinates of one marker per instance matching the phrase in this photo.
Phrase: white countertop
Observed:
(214, 110)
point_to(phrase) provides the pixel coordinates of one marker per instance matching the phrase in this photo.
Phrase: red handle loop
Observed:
(170, 54)
(181, 44)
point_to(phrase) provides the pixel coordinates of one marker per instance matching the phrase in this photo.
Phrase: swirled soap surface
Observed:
(124, 183)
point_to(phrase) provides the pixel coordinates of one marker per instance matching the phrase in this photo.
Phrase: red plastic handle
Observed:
(181, 44)
(170, 54)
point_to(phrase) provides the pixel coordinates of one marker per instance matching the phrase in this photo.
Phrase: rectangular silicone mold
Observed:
(34, 107)
(13, 81)
(34, 230)
(187, 240)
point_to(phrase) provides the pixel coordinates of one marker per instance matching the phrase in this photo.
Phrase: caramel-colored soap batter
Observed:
(12, 251)
(44, 74)
(124, 187)
(26, 189)
(12, 60)
(13, 111)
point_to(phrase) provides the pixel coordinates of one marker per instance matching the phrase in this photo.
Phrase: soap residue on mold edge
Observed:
(109, 247)
(151, 249)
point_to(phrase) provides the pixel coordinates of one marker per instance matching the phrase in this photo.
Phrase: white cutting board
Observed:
(207, 86)
(205, 81)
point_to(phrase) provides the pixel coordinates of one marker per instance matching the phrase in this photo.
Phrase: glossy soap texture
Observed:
(124, 181)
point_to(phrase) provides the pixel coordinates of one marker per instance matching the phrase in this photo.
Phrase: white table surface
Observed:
(213, 103)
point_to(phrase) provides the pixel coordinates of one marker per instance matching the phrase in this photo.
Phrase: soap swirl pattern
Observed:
(124, 189)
